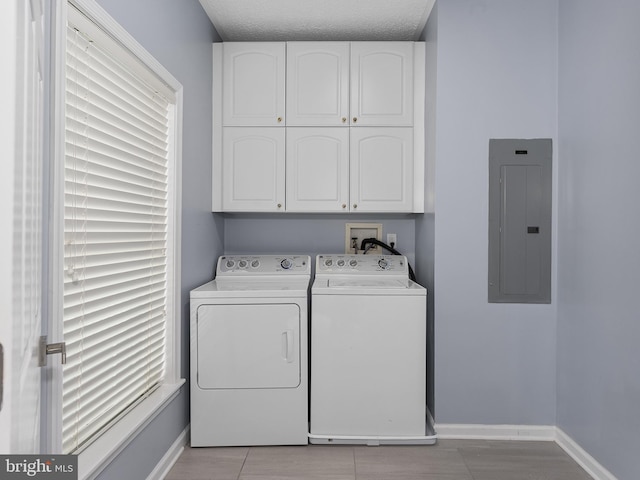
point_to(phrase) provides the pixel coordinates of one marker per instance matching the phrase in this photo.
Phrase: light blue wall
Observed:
(599, 257)
(309, 234)
(179, 35)
(425, 224)
(496, 78)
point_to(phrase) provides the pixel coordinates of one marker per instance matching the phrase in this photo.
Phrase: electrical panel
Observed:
(520, 220)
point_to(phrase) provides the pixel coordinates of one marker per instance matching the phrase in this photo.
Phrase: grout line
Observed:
(355, 468)
(243, 462)
(464, 462)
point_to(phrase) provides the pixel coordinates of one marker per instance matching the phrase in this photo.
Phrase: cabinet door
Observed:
(317, 83)
(253, 84)
(317, 169)
(253, 169)
(382, 83)
(381, 169)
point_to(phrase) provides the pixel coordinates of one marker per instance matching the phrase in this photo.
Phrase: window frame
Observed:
(94, 458)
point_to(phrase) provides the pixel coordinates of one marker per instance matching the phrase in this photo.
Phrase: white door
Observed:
(253, 83)
(382, 83)
(317, 169)
(253, 169)
(248, 346)
(381, 164)
(21, 121)
(318, 83)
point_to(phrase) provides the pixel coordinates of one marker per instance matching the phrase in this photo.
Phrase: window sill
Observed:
(101, 452)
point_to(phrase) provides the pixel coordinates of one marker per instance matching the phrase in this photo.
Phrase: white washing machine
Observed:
(249, 359)
(368, 352)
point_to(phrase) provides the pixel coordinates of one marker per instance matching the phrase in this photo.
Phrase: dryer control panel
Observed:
(256, 265)
(361, 264)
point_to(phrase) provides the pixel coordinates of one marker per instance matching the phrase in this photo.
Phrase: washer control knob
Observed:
(255, 263)
(242, 264)
(383, 264)
(328, 262)
(230, 264)
(341, 263)
(353, 262)
(286, 264)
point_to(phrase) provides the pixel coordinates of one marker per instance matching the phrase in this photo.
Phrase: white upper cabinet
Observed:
(254, 84)
(382, 83)
(381, 169)
(253, 169)
(317, 167)
(318, 127)
(318, 83)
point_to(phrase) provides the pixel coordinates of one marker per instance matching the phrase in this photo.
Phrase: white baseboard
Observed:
(582, 458)
(496, 432)
(171, 456)
(526, 432)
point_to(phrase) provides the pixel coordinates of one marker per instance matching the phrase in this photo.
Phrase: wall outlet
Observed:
(392, 240)
(356, 232)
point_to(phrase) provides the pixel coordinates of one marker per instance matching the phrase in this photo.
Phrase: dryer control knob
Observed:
(242, 264)
(353, 262)
(341, 263)
(328, 262)
(255, 263)
(383, 264)
(230, 264)
(286, 264)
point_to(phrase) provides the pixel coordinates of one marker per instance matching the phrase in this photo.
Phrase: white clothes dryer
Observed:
(368, 352)
(249, 360)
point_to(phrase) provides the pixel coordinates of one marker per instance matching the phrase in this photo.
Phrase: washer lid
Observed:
(340, 285)
(368, 283)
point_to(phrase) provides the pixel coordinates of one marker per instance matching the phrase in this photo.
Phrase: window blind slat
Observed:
(113, 75)
(90, 305)
(123, 393)
(105, 123)
(109, 306)
(95, 373)
(85, 64)
(105, 141)
(103, 341)
(87, 83)
(145, 373)
(116, 215)
(79, 101)
(79, 152)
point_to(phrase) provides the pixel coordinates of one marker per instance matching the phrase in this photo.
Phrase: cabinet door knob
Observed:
(355, 205)
(279, 205)
(279, 119)
(344, 119)
(344, 205)
(355, 119)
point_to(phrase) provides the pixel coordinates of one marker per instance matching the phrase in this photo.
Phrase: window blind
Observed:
(115, 238)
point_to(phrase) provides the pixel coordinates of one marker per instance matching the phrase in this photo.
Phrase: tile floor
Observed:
(447, 460)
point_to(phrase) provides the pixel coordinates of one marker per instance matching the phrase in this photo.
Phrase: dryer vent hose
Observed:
(368, 243)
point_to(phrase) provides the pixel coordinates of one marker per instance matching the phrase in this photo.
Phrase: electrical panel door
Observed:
(520, 221)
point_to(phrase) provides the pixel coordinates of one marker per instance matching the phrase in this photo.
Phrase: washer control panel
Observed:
(237, 265)
(361, 264)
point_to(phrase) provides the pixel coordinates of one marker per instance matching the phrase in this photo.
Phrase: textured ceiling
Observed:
(280, 20)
